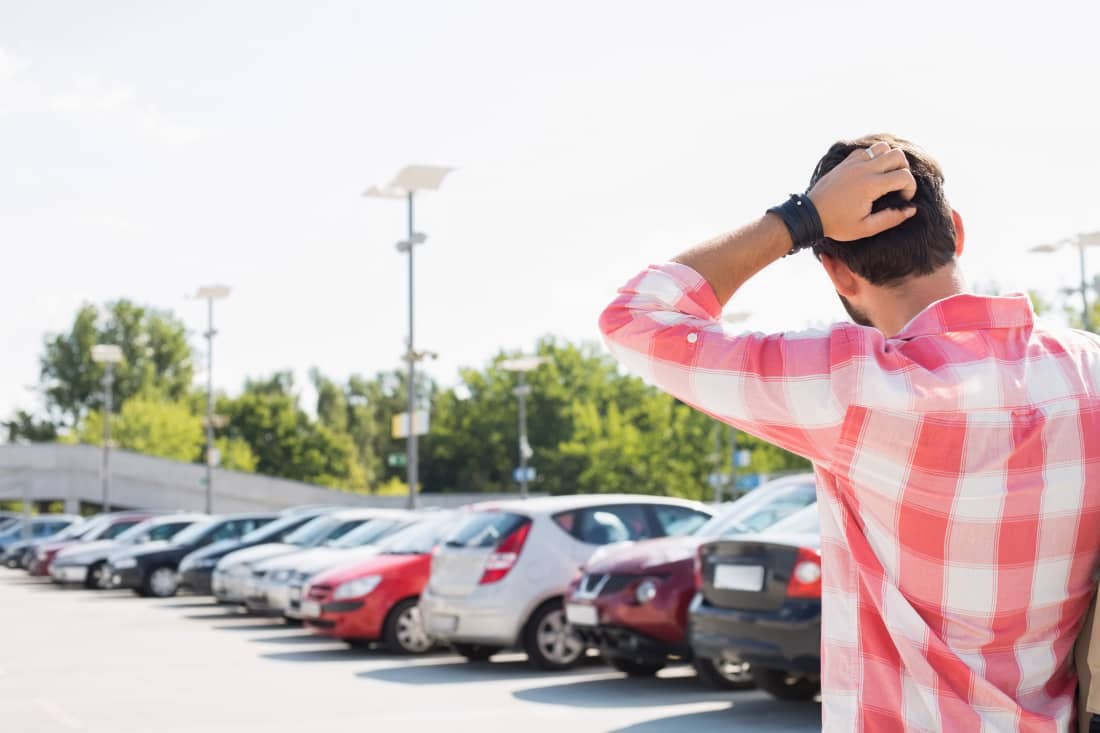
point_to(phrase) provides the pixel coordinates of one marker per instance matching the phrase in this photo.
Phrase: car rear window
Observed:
(485, 529)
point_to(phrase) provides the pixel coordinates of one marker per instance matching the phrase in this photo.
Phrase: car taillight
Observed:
(806, 576)
(504, 557)
(699, 569)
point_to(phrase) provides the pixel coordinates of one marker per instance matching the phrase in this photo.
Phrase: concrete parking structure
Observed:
(108, 662)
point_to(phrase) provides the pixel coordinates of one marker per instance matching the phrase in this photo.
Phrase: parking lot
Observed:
(106, 661)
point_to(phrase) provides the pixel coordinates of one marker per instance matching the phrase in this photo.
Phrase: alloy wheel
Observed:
(557, 640)
(163, 582)
(410, 631)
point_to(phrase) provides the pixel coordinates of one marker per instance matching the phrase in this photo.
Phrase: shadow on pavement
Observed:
(756, 714)
(252, 626)
(190, 604)
(218, 615)
(624, 692)
(297, 638)
(462, 671)
(339, 654)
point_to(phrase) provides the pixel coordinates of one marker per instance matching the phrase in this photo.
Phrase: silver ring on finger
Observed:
(870, 153)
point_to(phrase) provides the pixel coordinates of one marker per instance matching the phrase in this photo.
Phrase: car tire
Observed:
(475, 652)
(161, 582)
(631, 668)
(92, 579)
(404, 631)
(723, 675)
(782, 685)
(548, 639)
(355, 643)
(295, 622)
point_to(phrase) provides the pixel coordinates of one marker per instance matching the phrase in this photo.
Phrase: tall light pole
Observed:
(408, 182)
(1091, 239)
(521, 365)
(210, 293)
(108, 355)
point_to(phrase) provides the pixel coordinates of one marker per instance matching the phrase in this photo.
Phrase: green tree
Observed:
(147, 425)
(23, 427)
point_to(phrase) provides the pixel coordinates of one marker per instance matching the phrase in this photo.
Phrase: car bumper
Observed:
(787, 638)
(69, 573)
(230, 587)
(197, 580)
(625, 643)
(352, 618)
(267, 598)
(124, 577)
(469, 620)
(40, 568)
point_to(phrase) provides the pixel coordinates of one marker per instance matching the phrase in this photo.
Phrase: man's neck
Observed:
(903, 303)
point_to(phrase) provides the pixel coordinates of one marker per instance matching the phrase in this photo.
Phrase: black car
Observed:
(151, 569)
(760, 603)
(197, 569)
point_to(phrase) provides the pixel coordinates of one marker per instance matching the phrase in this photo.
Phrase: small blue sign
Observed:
(748, 481)
(522, 475)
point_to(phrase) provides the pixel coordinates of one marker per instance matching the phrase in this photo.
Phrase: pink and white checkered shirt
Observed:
(958, 469)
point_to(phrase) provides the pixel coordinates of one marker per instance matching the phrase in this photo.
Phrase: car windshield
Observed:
(314, 532)
(113, 531)
(79, 529)
(420, 538)
(761, 509)
(194, 532)
(369, 533)
(485, 529)
(274, 529)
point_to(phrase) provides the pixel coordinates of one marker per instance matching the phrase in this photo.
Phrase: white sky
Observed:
(148, 148)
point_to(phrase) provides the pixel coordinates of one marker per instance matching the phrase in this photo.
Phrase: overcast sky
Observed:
(149, 148)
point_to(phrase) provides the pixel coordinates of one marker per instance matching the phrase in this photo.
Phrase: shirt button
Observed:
(693, 337)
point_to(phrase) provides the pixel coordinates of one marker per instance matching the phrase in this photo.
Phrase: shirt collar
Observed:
(968, 312)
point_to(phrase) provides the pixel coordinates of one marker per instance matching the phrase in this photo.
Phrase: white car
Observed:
(499, 580)
(276, 583)
(233, 574)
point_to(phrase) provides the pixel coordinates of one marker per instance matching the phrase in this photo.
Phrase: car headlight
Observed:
(205, 563)
(646, 591)
(279, 576)
(358, 587)
(124, 562)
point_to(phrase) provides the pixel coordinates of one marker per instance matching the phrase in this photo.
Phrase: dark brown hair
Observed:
(918, 246)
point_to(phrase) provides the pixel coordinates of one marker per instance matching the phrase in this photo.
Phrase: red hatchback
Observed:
(376, 600)
(104, 527)
(632, 600)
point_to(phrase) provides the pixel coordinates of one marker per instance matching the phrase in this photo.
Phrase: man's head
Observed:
(891, 260)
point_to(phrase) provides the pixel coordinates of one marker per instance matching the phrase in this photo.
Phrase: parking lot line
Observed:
(54, 711)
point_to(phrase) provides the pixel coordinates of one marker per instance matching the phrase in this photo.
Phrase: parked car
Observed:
(101, 527)
(500, 579)
(276, 586)
(377, 599)
(151, 569)
(632, 601)
(760, 603)
(20, 535)
(197, 569)
(86, 563)
(233, 576)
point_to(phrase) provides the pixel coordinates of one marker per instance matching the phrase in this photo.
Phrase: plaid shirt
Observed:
(958, 468)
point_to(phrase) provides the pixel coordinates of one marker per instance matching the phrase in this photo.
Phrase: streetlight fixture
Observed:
(521, 365)
(1090, 239)
(405, 185)
(108, 355)
(210, 293)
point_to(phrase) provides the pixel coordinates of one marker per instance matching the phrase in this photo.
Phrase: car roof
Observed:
(368, 513)
(181, 516)
(555, 504)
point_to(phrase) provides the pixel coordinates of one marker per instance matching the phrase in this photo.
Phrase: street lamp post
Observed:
(409, 180)
(1091, 239)
(210, 293)
(521, 366)
(108, 355)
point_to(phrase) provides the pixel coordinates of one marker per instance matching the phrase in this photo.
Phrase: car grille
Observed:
(320, 593)
(603, 584)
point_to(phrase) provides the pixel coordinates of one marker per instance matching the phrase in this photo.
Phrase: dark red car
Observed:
(104, 527)
(632, 600)
(376, 600)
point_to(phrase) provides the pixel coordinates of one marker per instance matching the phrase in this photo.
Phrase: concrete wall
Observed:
(71, 473)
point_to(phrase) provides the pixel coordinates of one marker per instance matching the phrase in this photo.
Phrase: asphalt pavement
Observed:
(109, 662)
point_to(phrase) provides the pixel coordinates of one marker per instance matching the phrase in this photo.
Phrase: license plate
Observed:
(580, 615)
(739, 577)
(442, 623)
(311, 609)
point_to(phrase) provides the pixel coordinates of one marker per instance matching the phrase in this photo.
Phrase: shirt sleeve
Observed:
(789, 389)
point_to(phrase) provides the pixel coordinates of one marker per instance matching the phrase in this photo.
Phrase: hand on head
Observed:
(843, 197)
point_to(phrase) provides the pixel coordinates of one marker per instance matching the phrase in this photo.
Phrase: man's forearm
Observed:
(728, 261)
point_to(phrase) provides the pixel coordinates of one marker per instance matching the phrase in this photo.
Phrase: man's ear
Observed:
(960, 232)
(844, 280)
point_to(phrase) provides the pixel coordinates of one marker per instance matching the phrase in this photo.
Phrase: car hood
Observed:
(317, 559)
(89, 551)
(256, 554)
(359, 568)
(644, 556)
(146, 548)
(57, 546)
(216, 550)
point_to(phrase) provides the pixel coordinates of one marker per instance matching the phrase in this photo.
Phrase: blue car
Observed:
(760, 603)
(13, 543)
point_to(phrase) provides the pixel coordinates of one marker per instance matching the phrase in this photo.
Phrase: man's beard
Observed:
(857, 316)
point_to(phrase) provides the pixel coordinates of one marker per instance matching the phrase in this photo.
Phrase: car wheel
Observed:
(635, 669)
(296, 622)
(96, 576)
(404, 629)
(162, 582)
(355, 643)
(782, 685)
(722, 674)
(475, 652)
(549, 640)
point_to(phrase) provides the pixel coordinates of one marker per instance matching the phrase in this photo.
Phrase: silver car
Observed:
(499, 580)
